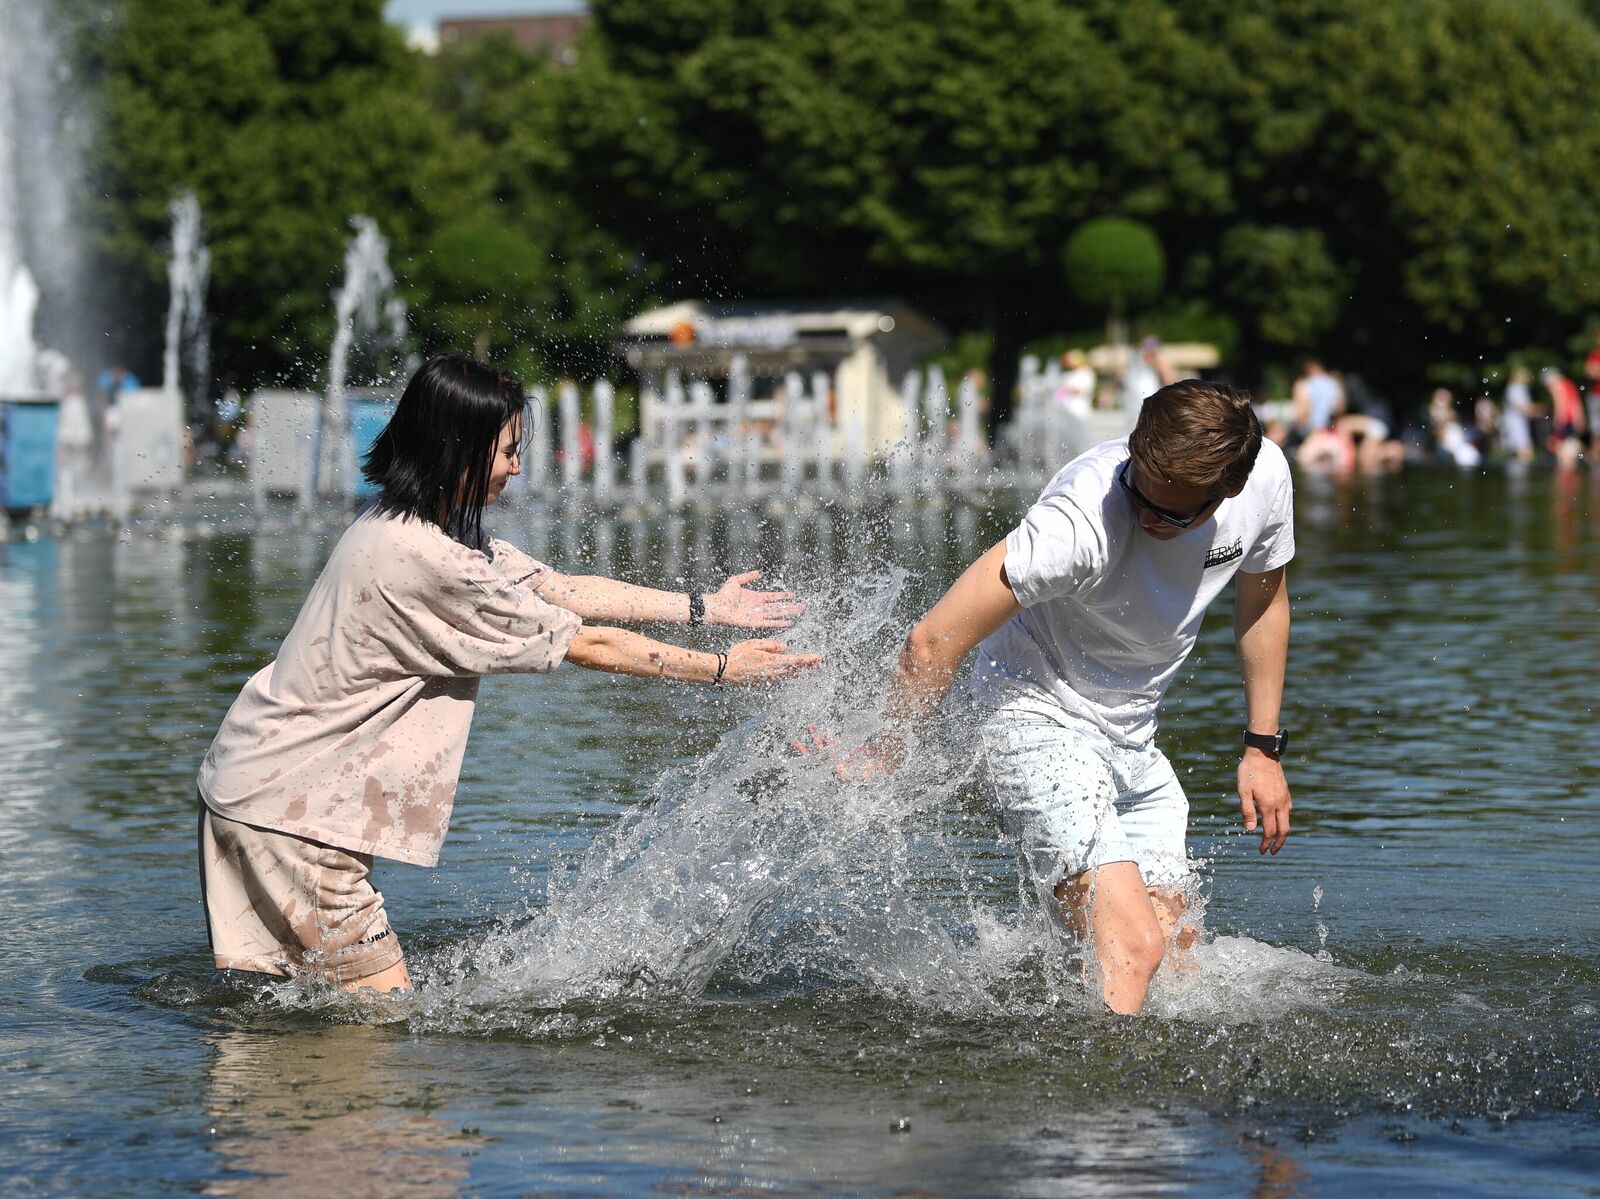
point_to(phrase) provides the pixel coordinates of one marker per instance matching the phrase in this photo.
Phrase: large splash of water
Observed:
(756, 873)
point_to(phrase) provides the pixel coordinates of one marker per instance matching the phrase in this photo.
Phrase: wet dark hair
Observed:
(432, 460)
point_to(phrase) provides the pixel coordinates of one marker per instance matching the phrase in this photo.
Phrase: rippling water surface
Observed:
(662, 955)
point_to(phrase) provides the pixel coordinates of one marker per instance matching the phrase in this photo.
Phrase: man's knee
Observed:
(1144, 949)
(1112, 905)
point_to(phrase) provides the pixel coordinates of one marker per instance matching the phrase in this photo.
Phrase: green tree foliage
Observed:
(1383, 184)
(1400, 188)
(548, 285)
(1115, 264)
(286, 117)
(1283, 281)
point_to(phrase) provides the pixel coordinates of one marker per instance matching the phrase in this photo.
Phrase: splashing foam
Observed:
(755, 873)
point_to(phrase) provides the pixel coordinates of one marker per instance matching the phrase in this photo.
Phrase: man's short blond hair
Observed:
(1197, 434)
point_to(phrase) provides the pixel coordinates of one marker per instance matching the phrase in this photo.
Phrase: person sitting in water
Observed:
(1082, 618)
(348, 745)
(1328, 451)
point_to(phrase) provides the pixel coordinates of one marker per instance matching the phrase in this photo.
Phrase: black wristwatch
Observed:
(1268, 743)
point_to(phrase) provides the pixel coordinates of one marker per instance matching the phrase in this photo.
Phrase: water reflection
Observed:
(1277, 1174)
(363, 1111)
(324, 1112)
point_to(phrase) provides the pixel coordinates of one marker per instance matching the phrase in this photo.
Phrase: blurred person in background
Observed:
(1369, 423)
(1591, 373)
(1147, 374)
(1076, 393)
(1485, 431)
(1569, 427)
(1516, 420)
(1318, 399)
(1449, 438)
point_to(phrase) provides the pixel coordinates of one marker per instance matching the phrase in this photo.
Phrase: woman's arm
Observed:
(747, 663)
(595, 597)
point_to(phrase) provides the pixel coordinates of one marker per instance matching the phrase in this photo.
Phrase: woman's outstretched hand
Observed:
(736, 606)
(752, 663)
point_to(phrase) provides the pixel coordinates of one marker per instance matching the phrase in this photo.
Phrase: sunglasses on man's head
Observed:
(1174, 519)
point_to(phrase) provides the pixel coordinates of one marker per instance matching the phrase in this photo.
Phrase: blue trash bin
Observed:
(369, 414)
(27, 453)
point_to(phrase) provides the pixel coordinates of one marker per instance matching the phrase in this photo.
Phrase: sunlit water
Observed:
(663, 955)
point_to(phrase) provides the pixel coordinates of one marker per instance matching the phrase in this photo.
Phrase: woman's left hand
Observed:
(736, 606)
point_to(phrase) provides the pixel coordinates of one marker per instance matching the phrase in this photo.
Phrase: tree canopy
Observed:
(1114, 263)
(1402, 189)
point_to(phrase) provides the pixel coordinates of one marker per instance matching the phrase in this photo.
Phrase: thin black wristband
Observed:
(722, 665)
(697, 608)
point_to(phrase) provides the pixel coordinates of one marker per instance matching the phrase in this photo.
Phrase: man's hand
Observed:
(737, 607)
(1264, 793)
(878, 757)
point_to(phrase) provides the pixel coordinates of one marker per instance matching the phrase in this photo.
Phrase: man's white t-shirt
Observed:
(1110, 612)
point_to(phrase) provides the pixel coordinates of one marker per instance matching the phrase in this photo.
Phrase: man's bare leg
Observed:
(1111, 908)
(391, 978)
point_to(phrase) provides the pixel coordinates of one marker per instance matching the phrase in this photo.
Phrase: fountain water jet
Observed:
(605, 400)
(571, 441)
(19, 294)
(187, 275)
(364, 305)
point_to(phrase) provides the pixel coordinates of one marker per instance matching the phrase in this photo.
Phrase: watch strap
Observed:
(1268, 743)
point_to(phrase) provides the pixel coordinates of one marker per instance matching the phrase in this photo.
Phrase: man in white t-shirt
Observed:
(1085, 612)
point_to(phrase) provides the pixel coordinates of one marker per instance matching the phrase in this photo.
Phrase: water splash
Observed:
(719, 843)
(755, 873)
(1322, 929)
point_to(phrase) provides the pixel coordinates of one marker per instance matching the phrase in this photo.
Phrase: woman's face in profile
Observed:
(507, 458)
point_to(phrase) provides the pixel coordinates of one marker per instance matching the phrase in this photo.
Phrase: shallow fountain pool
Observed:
(661, 956)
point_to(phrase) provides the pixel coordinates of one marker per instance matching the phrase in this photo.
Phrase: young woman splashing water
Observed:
(349, 744)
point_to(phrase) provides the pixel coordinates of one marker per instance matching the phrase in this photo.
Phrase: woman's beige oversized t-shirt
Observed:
(354, 735)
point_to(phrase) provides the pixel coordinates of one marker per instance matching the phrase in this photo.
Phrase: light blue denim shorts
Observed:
(1073, 800)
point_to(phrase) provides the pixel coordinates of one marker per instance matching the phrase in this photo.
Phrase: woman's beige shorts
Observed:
(279, 904)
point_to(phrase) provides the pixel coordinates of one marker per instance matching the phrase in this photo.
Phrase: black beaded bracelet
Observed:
(697, 608)
(722, 665)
